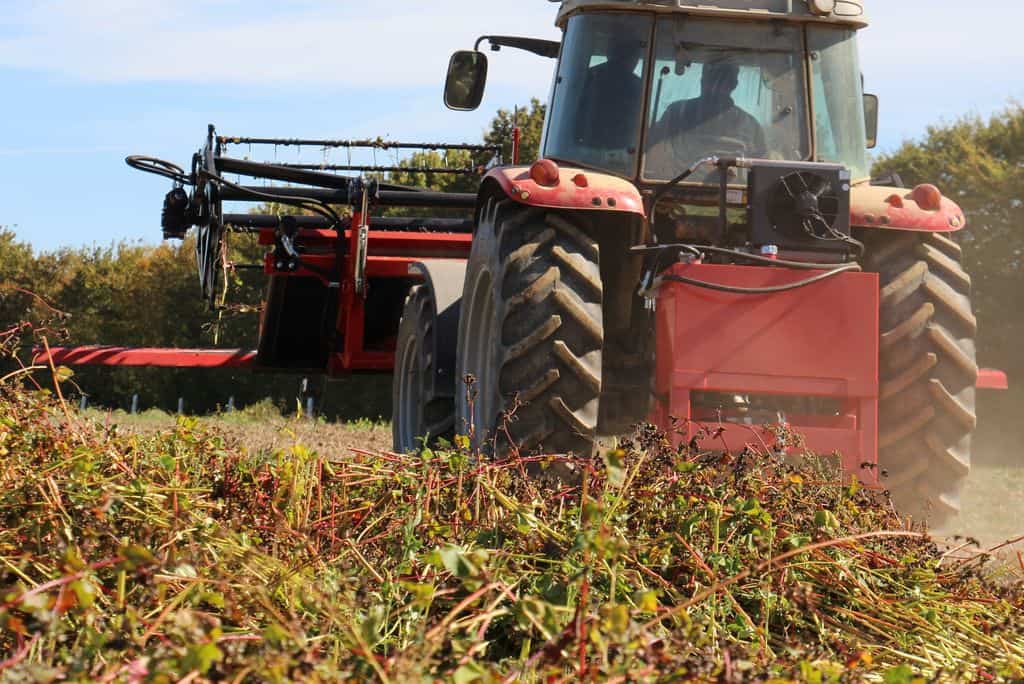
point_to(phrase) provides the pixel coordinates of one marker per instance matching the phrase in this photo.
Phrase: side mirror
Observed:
(871, 119)
(467, 76)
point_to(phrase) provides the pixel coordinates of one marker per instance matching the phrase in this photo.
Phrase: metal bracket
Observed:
(363, 240)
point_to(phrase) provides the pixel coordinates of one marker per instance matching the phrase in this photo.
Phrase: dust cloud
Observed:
(993, 499)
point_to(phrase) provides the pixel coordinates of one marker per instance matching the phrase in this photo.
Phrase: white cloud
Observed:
(258, 43)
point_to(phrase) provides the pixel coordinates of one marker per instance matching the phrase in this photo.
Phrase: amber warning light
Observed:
(545, 172)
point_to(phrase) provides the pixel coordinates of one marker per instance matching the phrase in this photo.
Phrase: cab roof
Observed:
(845, 12)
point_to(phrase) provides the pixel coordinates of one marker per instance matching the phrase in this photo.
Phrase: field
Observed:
(167, 550)
(993, 500)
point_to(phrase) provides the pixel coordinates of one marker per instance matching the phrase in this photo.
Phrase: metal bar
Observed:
(282, 173)
(148, 357)
(441, 225)
(381, 243)
(385, 198)
(294, 174)
(467, 171)
(375, 144)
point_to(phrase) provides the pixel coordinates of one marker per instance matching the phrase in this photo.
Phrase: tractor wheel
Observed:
(531, 333)
(421, 413)
(928, 372)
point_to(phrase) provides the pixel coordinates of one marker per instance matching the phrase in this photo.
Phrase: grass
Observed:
(181, 553)
(262, 427)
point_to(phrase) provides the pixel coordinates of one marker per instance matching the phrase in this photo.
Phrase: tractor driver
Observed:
(704, 125)
(608, 109)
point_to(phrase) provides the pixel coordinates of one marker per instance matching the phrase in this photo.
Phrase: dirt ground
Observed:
(993, 506)
(993, 500)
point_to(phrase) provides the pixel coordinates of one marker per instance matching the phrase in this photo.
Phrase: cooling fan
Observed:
(801, 206)
(805, 203)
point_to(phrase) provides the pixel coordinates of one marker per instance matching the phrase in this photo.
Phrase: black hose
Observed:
(159, 167)
(732, 289)
(756, 258)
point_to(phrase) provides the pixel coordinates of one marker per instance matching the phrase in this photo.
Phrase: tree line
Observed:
(140, 295)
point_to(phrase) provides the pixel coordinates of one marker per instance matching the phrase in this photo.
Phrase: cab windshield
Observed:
(710, 87)
(725, 88)
(598, 99)
(840, 131)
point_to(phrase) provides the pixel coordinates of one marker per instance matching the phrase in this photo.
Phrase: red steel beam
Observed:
(993, 380)
(147, 357)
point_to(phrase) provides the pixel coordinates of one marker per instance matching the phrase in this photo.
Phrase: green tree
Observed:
(980, 164)
(530, 120)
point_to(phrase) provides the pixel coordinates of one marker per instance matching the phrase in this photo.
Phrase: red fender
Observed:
(577, 188)
(874, 206)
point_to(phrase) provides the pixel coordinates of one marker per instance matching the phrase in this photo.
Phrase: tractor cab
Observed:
(642, 90)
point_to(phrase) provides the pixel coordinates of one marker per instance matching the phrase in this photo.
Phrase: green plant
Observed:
(175, 554)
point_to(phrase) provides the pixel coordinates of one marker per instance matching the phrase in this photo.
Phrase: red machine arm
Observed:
(157, 358)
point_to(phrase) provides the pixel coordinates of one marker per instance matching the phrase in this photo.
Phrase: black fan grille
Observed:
(805, 204)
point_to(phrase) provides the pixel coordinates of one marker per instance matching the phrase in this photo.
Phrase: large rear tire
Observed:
(928, 372)
(531, 333)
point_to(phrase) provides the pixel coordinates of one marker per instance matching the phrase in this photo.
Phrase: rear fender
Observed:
(445, 278)
(875, 206)
(577, 189)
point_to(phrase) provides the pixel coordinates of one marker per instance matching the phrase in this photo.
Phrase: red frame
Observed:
(389, 254)
(164, 358)
(820, 340)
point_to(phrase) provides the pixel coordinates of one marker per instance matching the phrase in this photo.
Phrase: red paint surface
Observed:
(601, 192)
(990, 379)
(820, 340)
(151, 357)
(390, 242)
(874, 206)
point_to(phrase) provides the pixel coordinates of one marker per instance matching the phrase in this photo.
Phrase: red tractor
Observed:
(700, 242)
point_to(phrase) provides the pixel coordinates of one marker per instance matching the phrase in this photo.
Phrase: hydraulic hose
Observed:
(831, 270)
(775, 289)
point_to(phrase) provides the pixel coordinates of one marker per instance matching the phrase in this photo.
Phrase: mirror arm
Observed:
(538, 46)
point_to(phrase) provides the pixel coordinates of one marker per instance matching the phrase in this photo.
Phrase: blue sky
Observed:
(87, 82)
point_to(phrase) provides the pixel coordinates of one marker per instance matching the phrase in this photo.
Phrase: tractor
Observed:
(701, 244)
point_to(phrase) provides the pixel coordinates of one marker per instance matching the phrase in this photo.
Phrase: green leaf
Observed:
(647, 602)
(372, 626)
(85, 592)
(201, 658)
(422, 594)
(136, 556)
(469, 673)
(903, 674)
(616, 620)
(826, 519)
